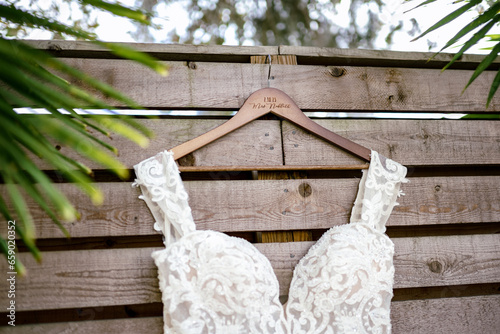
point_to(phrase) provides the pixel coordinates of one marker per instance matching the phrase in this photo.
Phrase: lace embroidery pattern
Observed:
(213, 283)
(163, 191)
(344, 283)
(378, 192)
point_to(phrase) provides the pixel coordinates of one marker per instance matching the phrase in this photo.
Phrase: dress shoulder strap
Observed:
(163, 191)
(378, 191)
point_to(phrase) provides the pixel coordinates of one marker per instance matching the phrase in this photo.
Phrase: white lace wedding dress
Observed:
(214, 283)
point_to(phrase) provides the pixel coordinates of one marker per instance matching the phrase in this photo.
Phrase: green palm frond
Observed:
(32, 78)
(482, 24)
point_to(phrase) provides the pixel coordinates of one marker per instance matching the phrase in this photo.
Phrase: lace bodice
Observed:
(214, 283)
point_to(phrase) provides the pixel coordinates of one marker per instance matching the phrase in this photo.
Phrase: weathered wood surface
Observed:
(467, 315)
(183, 52)
(305, 55)
(150, 325)
(326, 79)
(128, 276)
(360, 57)
(269, 205)
(419, 262)
(257, 143)
(410, 142)
(279, 236)
(226, 86)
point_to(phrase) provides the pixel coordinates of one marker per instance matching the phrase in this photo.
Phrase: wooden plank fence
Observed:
(270, 181)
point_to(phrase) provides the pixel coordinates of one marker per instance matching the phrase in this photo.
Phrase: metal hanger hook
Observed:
(269, 77)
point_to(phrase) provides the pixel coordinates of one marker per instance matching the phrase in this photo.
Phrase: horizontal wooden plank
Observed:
(360, 57)
(74, 279)
(278, 204)
(466, 315)
(150, 325)
(183, 52)
(305, 55)
(447, 260)
(268, 205)
(128, 276)
(227, 85)
(419, 262)
(258, 143)
(410, 142)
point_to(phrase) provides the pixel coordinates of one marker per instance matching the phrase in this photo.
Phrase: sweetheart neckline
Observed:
(166, 250)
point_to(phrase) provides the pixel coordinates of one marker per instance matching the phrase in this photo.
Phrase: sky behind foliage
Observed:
(369, 24)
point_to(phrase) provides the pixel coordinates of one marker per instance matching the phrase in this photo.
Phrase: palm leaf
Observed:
(59, 201)
(129, 53)
(493, 88)
(420, 5)
(18, 201)
(15, 15)
(20, 231)
(19, 16)
(484, 64)
(450, 17)
(18, 266)
(44, 96)
(134, 133)
(473, 40)
(47, 151)
(487, 16)
(44, 59)
(33, 78)
(133, 14)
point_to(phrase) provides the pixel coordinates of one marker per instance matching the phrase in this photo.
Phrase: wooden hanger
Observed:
(260, 103)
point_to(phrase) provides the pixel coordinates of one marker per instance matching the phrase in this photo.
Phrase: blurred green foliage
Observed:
(27, 78)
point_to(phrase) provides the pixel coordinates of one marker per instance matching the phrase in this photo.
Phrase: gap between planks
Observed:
(190, 169)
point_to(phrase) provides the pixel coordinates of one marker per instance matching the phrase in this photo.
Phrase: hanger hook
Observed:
(269, 73)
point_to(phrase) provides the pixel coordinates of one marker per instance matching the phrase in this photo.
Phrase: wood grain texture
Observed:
(256, 107)
(183, 52)
(419, 262)
(258, 143)
(150, 325)
(447, 260)
(128, 276)
(279, 236)
(270, 205)
(409, 142)
(226, 86)
(221, 78)
(468, 315)
(306, 55)
(72, 279)
(360, 57)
